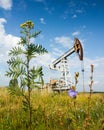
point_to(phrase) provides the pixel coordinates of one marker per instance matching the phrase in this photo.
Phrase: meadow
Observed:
(52, 111)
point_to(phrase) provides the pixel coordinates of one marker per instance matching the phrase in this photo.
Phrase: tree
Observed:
(23, 77)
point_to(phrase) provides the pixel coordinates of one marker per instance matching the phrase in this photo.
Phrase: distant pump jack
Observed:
(64, 83)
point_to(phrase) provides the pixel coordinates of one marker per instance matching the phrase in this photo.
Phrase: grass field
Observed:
(53, 111)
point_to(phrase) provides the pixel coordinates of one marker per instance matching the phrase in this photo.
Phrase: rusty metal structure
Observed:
(64, 82)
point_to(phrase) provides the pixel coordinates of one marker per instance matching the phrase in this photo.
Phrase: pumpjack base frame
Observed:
(59, 89)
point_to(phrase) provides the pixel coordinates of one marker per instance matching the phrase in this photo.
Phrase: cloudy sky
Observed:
(60, 21)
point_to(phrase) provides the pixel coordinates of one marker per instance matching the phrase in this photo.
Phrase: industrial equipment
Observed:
(64, 83)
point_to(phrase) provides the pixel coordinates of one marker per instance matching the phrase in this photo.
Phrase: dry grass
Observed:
(52, 111)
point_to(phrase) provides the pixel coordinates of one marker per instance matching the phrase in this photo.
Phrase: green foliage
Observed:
(13, 83)
(19, 63)
(23, 77)
(13, 62)
(16, 51)
(36, 73)
(15, 91)
(16, 71)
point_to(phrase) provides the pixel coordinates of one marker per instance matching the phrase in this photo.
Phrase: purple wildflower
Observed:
(72, 93)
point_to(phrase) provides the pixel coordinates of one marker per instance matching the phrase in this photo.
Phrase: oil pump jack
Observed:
(64, 82)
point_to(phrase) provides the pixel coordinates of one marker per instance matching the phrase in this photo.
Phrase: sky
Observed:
(60, 22)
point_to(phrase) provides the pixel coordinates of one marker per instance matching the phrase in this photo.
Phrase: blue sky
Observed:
(60, 21)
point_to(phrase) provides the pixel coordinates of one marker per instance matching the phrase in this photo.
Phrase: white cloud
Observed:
(98, 75)
(42, 21)
(76, 33)
(64, 41)
(44, 60)
(98, 72)
(50, 10)
(7, 41)
(2, 21)
(79, 11)
(6, 4)
(56, 52)
(74, 16)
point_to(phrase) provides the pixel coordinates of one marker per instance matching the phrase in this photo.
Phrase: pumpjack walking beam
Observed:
(76, 48)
